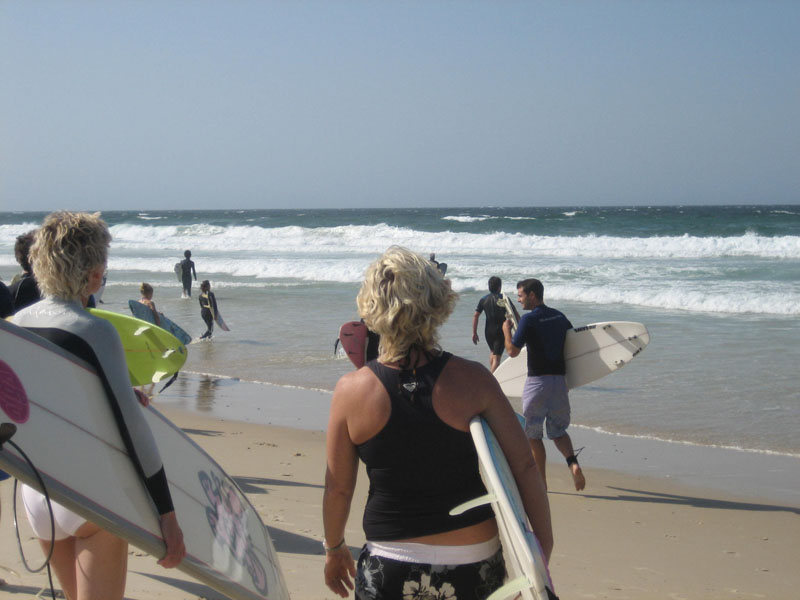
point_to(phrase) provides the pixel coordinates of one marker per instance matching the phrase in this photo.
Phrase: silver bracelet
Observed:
(331, 549)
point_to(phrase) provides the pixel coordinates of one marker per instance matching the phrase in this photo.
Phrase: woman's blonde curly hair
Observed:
(67, 247)
(405, 299)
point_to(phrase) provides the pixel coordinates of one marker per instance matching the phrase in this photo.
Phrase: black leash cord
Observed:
(52, 522)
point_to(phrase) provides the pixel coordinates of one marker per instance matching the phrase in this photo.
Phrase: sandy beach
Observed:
(628, 536)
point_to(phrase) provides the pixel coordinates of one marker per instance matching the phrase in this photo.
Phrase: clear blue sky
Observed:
(279, 104)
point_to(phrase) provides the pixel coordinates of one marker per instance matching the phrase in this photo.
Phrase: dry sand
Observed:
(626, 537)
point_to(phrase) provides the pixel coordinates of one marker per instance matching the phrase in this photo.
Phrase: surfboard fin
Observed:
(141, 330)
(159, 375)
(474, 503)
(512, 588)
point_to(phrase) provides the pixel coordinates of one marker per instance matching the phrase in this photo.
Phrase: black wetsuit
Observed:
(187, 270)
(6, 302)
(495, 317)
(208, 310)
(24, 292)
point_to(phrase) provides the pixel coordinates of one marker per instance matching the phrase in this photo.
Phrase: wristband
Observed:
(331, 549)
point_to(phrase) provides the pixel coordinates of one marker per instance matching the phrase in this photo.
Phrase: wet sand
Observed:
(630, 535)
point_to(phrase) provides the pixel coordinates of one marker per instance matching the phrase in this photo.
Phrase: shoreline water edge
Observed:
(763, 475)
(717, 287)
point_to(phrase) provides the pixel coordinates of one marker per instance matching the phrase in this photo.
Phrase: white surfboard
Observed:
(525, 562)
(590, 352)
(511, 311)
(65, 425)
(220, 321)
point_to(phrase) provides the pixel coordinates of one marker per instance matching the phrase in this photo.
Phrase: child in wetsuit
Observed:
(208, 308)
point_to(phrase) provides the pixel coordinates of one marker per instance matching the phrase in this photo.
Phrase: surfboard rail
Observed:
(527, 568)
(590, 353)
(228, 546)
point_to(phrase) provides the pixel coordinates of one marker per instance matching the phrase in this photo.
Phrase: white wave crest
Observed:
(466, 219)
(376, 238)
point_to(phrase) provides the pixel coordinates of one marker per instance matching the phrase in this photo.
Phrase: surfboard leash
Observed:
(7, 430)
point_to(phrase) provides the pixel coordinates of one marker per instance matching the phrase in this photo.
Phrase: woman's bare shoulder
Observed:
(465, 389)
(469, 372)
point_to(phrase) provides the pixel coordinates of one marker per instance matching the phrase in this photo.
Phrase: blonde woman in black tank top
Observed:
(406, 415)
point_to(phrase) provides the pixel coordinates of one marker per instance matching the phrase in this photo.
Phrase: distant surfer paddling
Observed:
(406, 416)
(186, 271)
(441, 266)
(545, 398)
(69, 258)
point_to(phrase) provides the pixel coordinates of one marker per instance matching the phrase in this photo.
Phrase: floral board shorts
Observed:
(382, 578)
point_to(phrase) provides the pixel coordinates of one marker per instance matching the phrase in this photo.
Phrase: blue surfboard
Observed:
(140, 311)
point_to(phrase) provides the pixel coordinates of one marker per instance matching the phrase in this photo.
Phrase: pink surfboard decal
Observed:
(13, 399)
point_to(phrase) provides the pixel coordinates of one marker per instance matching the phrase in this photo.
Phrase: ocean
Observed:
(718, 288)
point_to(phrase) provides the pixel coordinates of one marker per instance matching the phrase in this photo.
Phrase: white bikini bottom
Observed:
(435, 555)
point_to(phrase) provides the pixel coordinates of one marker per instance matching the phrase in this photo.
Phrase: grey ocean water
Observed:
(717, 287)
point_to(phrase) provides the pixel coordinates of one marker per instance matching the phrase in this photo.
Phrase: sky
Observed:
(199, 104)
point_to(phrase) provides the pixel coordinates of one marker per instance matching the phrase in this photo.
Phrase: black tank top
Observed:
(419, 467)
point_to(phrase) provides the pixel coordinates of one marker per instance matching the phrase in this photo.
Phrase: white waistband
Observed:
(435, 555)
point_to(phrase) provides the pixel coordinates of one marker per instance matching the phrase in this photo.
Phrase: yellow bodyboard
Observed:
(152, 353)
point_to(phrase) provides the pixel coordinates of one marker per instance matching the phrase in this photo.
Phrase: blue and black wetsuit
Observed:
(67, 324)
(208, 311)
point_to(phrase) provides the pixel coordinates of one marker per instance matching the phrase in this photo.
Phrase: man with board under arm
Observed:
(545, 396)
(495, 317)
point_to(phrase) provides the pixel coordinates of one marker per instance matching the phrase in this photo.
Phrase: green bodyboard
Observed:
(152, 353)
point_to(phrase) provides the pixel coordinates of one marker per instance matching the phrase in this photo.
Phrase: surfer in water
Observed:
(495, 317)
(208, 308)
(406, 416)
(146, 291)
(69, 257)
(187, 270)
(544, 397)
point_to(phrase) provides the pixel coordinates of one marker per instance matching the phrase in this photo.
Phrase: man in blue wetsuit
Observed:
(544, 396)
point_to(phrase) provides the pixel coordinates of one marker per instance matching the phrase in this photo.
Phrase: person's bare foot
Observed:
(577, 476)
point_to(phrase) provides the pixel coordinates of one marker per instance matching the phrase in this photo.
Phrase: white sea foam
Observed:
(680, 273)
(375, 238)
(466, 219)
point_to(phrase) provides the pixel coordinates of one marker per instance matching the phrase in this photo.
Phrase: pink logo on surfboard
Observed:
(13, 399)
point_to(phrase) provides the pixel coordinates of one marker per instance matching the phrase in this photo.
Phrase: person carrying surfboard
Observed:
(493, 306)
(208, 308)
(406, 415)
(69, 258)
(545, 398)
(186, 272)
(146, 291)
